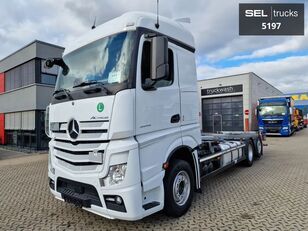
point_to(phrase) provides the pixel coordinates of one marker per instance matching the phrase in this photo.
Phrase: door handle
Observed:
(175, 118)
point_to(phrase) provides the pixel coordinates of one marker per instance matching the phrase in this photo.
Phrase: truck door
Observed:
(157, 112)
(158, 107)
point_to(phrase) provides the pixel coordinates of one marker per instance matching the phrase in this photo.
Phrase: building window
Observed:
(48, 76)
(20, 76)
(52, 71)
(48, 79)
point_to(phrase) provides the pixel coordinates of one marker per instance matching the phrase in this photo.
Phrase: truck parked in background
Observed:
(124, 122)
(299, 119)
(276, 115)
(304, 113)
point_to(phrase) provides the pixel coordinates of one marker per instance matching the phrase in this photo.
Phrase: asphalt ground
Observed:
(270, 195)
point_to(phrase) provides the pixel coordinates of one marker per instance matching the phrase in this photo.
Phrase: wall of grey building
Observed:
(253, 88)
(259, 88)
(227, 98)
(28, 90)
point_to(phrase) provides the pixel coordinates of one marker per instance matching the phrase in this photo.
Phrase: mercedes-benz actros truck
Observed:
(276, 115)
(123, 122)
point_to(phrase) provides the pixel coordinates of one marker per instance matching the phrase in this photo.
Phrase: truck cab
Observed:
(125, 100)
(276, 115)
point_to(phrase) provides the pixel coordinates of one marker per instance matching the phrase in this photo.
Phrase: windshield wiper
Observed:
(85, 83)
(66, 92)
(98, 88)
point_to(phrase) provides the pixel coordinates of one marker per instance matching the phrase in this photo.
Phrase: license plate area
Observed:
(76, 200)
(77, 193)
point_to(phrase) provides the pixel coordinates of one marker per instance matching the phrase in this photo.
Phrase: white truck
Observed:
(124, 122)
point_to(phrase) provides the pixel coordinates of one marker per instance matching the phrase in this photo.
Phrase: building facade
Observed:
(228, 103)
(26, 88)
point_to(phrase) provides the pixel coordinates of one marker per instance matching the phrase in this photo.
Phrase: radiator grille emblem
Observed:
(73, 129)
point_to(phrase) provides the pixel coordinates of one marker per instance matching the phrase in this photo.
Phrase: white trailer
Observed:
(124, 122)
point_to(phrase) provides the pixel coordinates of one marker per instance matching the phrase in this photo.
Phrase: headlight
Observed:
(285, 128)
(116, 173)
(260, 128)
(47, 121)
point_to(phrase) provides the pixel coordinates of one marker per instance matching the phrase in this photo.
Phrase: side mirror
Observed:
(49, 63)
(159, 58)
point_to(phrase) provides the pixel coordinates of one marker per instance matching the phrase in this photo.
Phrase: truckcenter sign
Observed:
(222, 90)
(271, 19)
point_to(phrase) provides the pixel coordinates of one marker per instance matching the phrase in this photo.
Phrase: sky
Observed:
(220, 51)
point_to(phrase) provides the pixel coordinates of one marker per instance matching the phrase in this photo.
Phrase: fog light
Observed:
(118, 200)
(115, 202)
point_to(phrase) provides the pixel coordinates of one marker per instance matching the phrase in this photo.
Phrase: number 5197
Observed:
(271, 25)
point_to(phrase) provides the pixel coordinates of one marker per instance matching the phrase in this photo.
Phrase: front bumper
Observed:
(88, 189)
(282, 130)
(131, 199)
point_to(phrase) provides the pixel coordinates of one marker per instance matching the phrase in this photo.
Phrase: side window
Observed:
(146, 68)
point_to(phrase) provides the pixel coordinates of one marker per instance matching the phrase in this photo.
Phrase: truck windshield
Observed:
(272, 110)
(105, 61)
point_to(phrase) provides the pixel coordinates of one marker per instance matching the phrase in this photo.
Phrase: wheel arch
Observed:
(188, 154)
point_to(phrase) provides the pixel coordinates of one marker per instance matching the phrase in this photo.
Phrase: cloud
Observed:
(291, 45)
(288, 74)
(214, 24)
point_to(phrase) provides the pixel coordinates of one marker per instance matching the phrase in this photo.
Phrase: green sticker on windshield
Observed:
(100, 107)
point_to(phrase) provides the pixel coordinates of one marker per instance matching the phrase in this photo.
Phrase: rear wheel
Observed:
(179, 184)
(249, 154)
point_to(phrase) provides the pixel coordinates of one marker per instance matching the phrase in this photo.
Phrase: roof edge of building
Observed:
(226, 76)
(29, 44)
(245, 73)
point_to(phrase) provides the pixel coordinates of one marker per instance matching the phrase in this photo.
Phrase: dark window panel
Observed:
(20, 76)
(48, 79)
(227, 117)
(216, 106)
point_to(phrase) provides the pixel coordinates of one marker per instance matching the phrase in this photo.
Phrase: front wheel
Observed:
(178, 184)
(248, 162)
(259, 148)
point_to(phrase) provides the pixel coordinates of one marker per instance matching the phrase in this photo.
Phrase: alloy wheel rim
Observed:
(181, 188)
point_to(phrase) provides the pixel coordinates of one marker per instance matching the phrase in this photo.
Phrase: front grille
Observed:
(83, 141)
(94, 131)
(86, 153)
(273, 122)
(80, 194)
(273, 129)
(72, 152)
(89, 130)
(77, 163)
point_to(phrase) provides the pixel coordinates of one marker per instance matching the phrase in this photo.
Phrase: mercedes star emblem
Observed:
(73, 129)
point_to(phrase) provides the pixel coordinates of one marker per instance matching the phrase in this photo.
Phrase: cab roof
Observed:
(131, 21)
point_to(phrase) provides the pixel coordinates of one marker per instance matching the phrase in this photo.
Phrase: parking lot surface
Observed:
(270, 195)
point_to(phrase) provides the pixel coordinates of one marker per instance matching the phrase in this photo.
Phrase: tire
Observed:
(258, 148)
(248, 162)
(179, 186)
